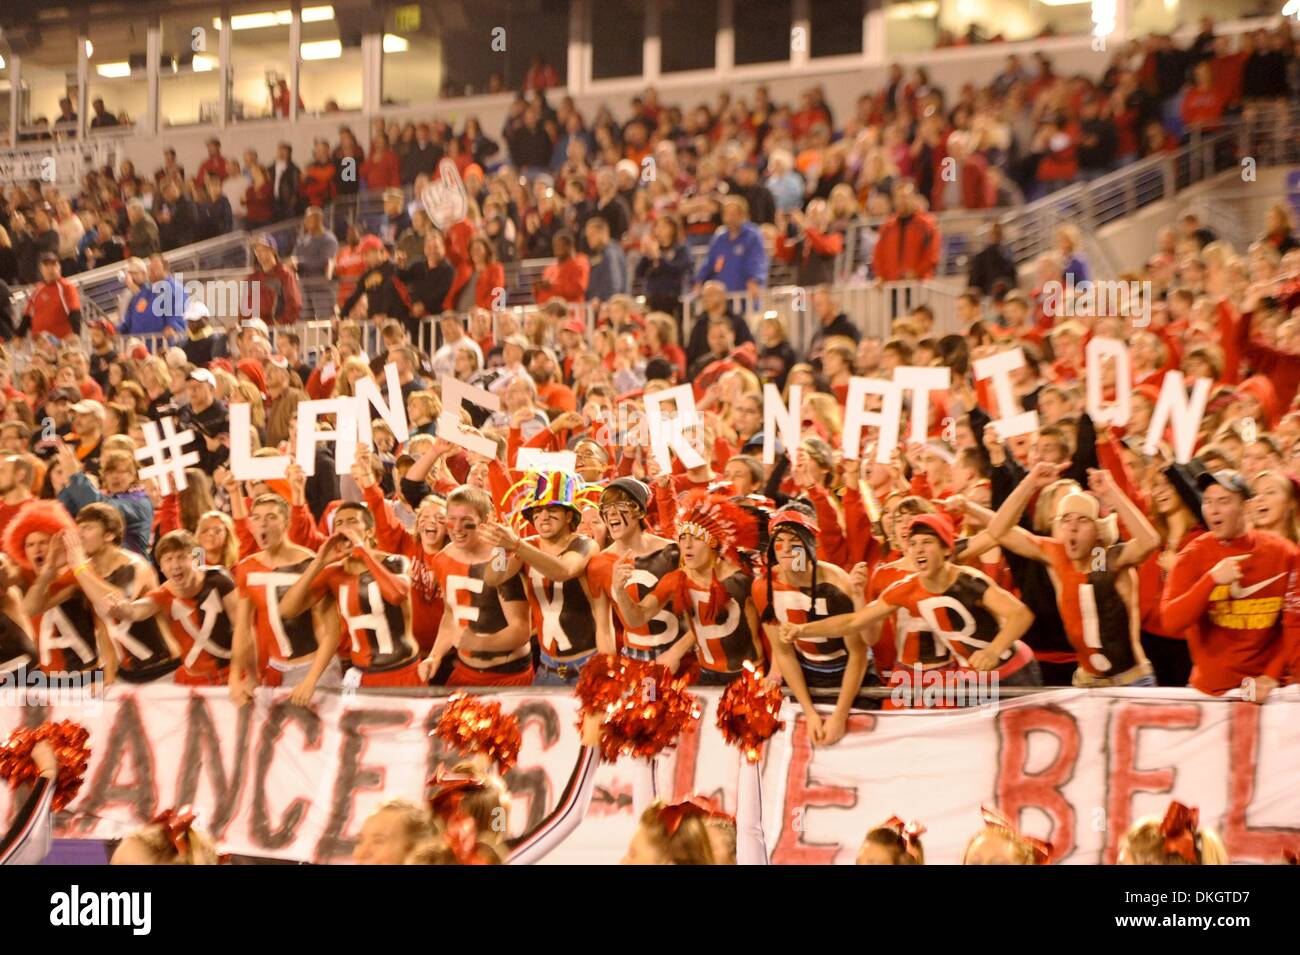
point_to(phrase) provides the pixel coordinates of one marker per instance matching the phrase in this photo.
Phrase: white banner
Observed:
(1076, 767)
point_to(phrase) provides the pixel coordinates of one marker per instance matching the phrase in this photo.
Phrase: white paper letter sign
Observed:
(782, 420)
(1117, 412)
(1184, 413)
(922, 381)
(667, 433)
(887, 419)
(999, 367)
(392, 411)
(243, 465)
(344, 435)
(454, 393)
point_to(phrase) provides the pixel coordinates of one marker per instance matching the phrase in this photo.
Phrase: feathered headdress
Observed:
(729, 526)
(44, 517)
(547, 489)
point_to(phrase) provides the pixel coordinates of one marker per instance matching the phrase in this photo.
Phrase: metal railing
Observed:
(872, 307)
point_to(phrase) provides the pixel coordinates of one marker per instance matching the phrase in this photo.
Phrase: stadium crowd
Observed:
(1069, 556)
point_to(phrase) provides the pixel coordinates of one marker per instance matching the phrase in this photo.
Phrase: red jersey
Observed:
(1234, 630)
(818, 656)
(426, 598)
(562, 616)
(201, 626)
(886, 649)
(379, 632)
(475, 606)
(66, 639)
(727, 643)
(660, 631)
(1093, 612)
(277, 638)
(948, 627)
(51, 307)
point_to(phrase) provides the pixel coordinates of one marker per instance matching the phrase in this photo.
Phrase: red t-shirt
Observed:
(379, 631)
(1233, 631)
(201, 626)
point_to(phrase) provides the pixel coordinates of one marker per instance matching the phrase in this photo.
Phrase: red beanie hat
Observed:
(938, 524)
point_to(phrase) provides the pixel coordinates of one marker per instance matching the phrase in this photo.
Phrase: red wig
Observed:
(46, 517)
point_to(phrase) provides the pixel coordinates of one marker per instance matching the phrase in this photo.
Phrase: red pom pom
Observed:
(643, 706)
(69, 742)
(749, 712)
(472, 724)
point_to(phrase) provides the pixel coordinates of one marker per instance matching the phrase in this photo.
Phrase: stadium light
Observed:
(395, 44)
(321, 50)
(114, 71)
(203, 64)
(275, 18)
(919, 10)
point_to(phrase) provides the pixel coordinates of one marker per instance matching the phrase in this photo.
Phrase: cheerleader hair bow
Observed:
(1179, 831)
(909, 832)
(694, 807)
(177, 823)
(447, 790)
(1041, 849)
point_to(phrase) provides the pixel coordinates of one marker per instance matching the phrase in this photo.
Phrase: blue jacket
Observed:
(156, 306)
(734, 262)
(608, 274)
(134, 505)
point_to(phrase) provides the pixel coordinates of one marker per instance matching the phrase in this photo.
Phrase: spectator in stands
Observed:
(808, 241)
(71, 230)
(279, 298)
(567, 277)
(102, 116)
(395, 220)
(203, 344)
(157, 303)
(315, 247)
(664, 268)
(422, 157)
(215, 217)
(259, 198)
(454, 339)
(714, 305)
(909, 242)
(736, 255)
(177, 217)
(286, 183)
(1279, 229)
(992, 265)
(214, 165)
(479, 282)
(170, 169)
(381, 169)
(429, 278)
(350, 263)
(541, 75)
(762, 204)
(208, 419)
(142, 234)
(54, 306)
(831, 323)
(783, 183)
(108, 247)
(386, 294)
(1097, 140)
(319, 185)
(609, 274)
(529, 143)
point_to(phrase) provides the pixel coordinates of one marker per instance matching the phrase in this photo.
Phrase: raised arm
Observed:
(302, 596)
(1143, 539)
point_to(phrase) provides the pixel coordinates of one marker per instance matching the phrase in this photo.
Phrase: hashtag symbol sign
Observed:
(169, 462)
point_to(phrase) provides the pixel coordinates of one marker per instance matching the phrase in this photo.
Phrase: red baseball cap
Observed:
(938, 524)
(372, 242)
(575, 325)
